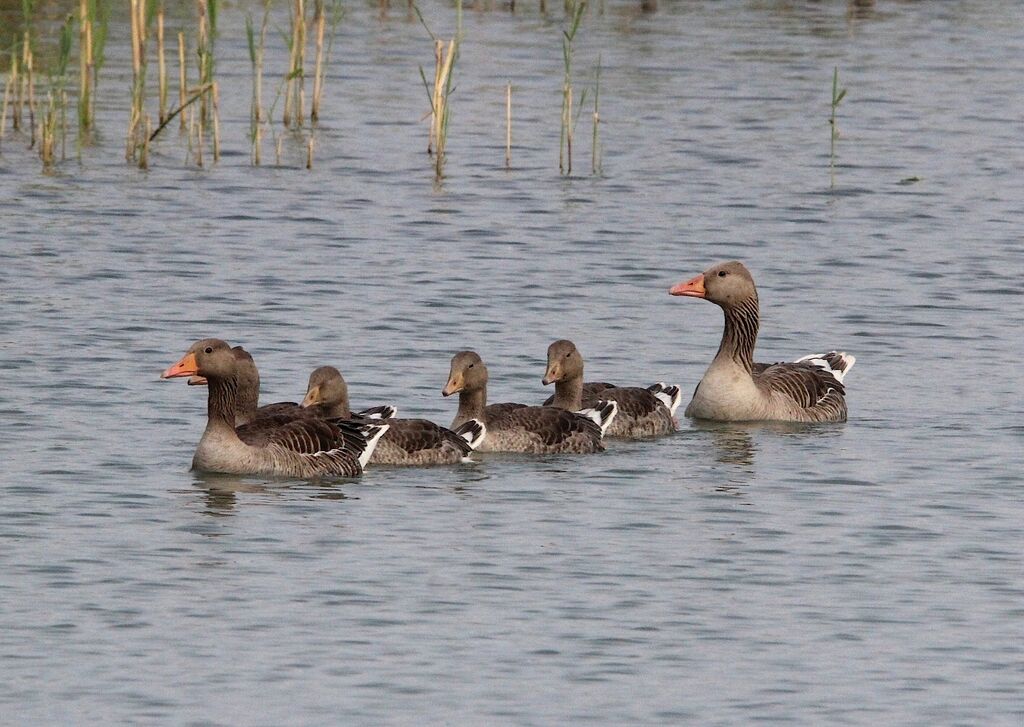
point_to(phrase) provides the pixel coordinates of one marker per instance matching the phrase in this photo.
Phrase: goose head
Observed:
(326, 387)
(726, 284)
(564, 362)
(468, 373)
(210, 358)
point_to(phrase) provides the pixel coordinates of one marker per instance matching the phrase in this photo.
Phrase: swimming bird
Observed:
(734, 388)
(520, 428)
(297, 448)
(410, 442)
(642, 412)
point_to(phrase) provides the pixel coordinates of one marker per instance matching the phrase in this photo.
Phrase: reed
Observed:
(595, 142)
(439, 92)
(319, 27)
(257, 44)
(205, 10)
(508, 126)
(28, 94)
(215, 93)
(309, 152)
(181, 77)
(838, 94)
(294, 100)
(161, 66)
(137, 10)
(336, 12)
(575, 9)
(12, 82)
(47, 131)
(85, 64)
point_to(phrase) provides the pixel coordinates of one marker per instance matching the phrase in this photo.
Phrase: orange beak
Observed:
(693, 288)
(452, 387)
(197, 381)
(186, 367)
(551, 376)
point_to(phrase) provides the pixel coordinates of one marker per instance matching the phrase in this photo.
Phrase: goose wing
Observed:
(493, 412)
(803, 382)
(550, 425)
(417, 435)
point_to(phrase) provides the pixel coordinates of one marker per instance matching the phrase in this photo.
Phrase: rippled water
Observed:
(870, 572)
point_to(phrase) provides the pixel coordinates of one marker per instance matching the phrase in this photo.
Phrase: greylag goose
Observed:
(734, 388)
(247, 397)
(297, 448)
(412, 442)
(327, 397)
(642, 412)
(519, 428)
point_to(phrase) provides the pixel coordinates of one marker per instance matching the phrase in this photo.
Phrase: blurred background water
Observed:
(863, 573)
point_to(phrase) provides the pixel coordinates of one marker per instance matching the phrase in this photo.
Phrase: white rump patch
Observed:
(602, 414)
(474, 435)
(669, 395)
(817, 359)
(373, 433)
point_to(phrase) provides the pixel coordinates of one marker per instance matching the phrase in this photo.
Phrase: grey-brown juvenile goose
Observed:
(734, 388)
(411, 442)
(519, 428)
(327, 397)
(642, 412)
(298, 448)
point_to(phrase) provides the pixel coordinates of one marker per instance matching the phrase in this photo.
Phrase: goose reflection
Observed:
(221, 491)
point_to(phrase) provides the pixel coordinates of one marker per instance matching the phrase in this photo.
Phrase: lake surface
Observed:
(865, 573)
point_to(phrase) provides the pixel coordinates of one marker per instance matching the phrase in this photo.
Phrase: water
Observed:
(864, 573)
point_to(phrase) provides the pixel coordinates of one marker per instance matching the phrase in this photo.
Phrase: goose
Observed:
(297, 448)
(642, 412)
(734, 388)
(247, 397)
(409, 442)
(327, 397)
(520, 428)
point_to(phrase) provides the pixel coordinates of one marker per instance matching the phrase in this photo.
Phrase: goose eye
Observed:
(568, 354)
(471, 366)
(208, 349)
(721, 273)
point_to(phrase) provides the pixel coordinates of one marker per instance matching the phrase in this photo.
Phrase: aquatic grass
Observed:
(12, 79)
(838, 94)
(257, 44)
(574, 11)
(137, 13)
(27, 95)
(595, 142)
(54, 113)
(161, 66)
(508, 126)
(295, 89)
(182, 76)
(439, 92)
(323, 56)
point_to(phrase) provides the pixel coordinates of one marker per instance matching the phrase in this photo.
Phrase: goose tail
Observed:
(379, 412)
(602, 414)
(837, 363)
(473, 432)
(373, 433)
(669, 394)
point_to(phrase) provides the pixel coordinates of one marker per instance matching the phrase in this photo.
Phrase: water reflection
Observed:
(221, 490)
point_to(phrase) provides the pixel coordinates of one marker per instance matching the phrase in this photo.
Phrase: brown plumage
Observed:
(411, 442)
(520, 428)
(296, 448)
(734, 388)
(641, 413)
(247, 408)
